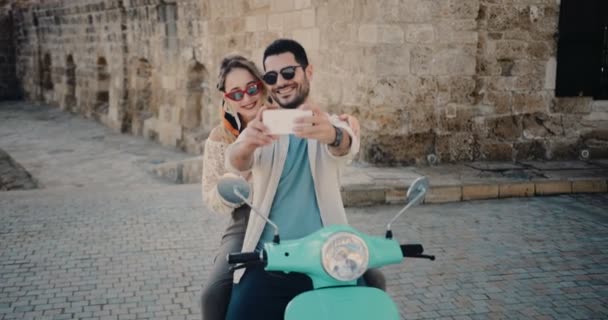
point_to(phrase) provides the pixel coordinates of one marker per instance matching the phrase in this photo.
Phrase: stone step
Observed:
(365, 185)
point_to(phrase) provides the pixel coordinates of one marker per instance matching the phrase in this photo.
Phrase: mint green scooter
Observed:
(334, 258)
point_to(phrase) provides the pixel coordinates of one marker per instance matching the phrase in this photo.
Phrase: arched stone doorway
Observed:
(140, 97)
(192, 117)
(70, 101)
(46, 77)
(102, 90)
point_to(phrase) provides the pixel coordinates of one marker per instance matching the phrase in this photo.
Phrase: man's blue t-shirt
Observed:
(294, 208)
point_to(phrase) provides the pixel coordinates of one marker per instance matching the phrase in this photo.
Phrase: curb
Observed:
(449, 193)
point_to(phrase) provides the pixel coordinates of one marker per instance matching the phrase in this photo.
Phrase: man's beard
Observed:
(301, 96)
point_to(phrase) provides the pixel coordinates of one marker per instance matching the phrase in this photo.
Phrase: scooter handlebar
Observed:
(243, 257)
(414, 251)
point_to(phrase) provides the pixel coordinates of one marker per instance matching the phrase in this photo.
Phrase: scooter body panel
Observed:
(304, 255)
(351, 302)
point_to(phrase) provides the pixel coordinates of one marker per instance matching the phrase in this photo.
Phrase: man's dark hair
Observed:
(286, 45)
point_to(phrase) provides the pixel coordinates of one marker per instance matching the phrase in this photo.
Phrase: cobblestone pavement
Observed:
(105, 240)
(144, 253)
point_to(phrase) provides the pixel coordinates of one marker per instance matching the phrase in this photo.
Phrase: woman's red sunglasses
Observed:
(251, 89)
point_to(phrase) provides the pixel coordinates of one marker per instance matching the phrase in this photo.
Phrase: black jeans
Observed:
(262, 295)
(217, 291)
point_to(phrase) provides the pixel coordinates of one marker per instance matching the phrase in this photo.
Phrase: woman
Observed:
(244, 94)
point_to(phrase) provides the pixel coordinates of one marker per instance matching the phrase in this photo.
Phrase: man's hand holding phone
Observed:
(315, 126)
(283, 121)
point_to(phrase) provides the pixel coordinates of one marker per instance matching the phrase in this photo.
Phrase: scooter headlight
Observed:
(345, 256)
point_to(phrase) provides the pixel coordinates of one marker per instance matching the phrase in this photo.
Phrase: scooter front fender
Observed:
(348, 303)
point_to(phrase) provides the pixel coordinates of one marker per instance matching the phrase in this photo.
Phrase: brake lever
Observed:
(240, 266)
(423, 256)
(247, 264)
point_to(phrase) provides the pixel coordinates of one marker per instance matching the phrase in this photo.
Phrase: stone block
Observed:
(540, 125)
(368, 33)
(505, 127)
(526, 102)
(596, 116)
(354, 198)
(530, 150)
(553, 187)
(256, 23)
(478, 192)
(420, 33)
(507, 190)
(393, 60)
(442, 194)
(414, 11)
(255, 4)
(388, 149)
(563, 148)
(169, 134)
(169, 83)
(550, 73)
(302, 4)
(589, 186)
(511, 49)
(149, 129)
(275, 22)
(309, 39)
(421, 60)
(463, 9)
(282, 5)
(307, 18)
(453, 62)
(497, 151)
(396, 195)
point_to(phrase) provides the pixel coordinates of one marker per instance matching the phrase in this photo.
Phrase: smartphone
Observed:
(281, 121)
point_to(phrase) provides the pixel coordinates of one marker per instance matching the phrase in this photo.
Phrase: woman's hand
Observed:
(353, 123)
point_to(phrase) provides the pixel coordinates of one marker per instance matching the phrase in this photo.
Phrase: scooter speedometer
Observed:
(345, 256)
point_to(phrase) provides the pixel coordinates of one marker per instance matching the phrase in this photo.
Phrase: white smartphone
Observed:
(281, 121)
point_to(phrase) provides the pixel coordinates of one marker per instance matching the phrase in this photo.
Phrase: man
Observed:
(295, 178)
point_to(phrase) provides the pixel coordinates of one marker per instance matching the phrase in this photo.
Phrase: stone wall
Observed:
(8, 80)
(452, 80)
(135, 65)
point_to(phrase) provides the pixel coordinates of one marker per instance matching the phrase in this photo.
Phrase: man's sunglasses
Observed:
(287, 73)
(251, 89)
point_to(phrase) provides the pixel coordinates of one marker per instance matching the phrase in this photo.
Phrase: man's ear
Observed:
(309, 71)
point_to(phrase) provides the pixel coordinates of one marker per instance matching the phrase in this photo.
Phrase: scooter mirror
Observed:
(415, 194)
(227, 185)
(234, 191)
(417, 190)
